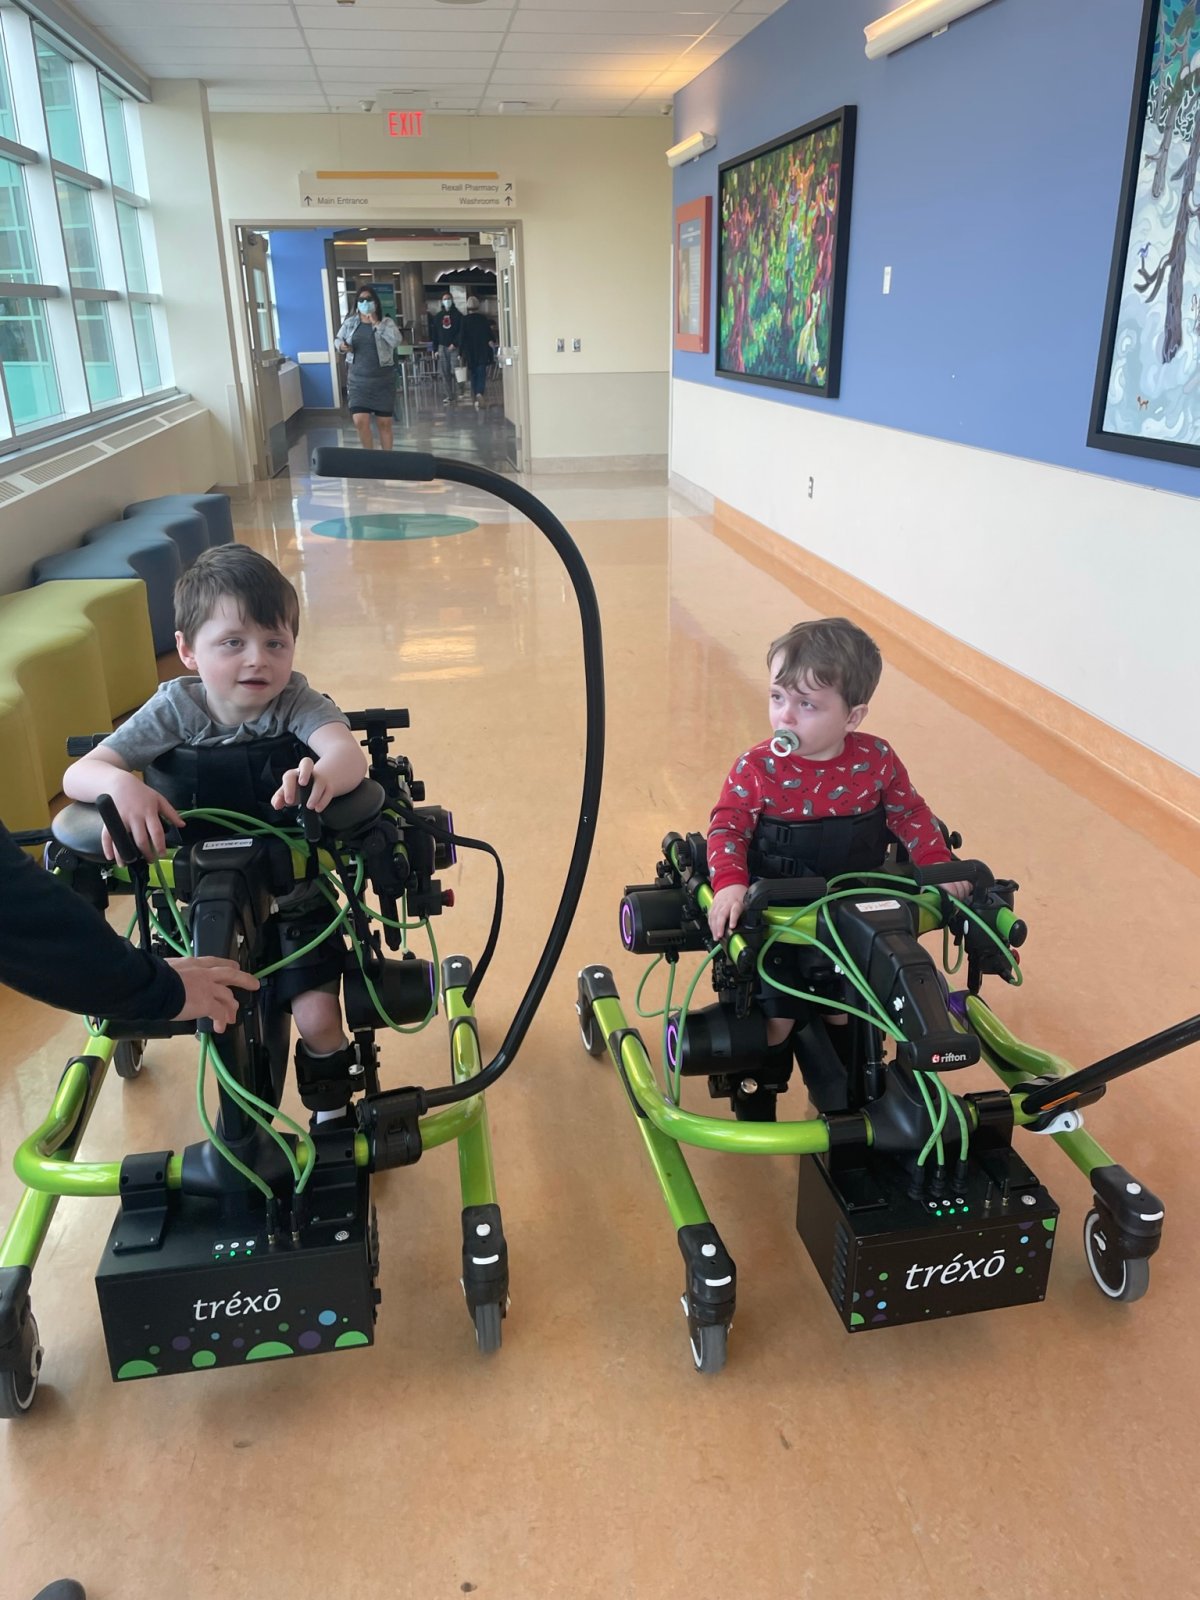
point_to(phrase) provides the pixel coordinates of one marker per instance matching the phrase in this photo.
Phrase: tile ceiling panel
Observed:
(325, 42)
(590, 44)
(571, 57)
(148, 37)
(353, 19)
(620, 22)
(367, 60)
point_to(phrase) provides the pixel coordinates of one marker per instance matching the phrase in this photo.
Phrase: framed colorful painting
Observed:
(693, 274)
(781, 266)
(1147, 395)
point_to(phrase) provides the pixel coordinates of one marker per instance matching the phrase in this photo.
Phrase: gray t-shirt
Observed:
(178, 715)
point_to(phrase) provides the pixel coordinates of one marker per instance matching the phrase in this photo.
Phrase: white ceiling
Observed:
(567, 57)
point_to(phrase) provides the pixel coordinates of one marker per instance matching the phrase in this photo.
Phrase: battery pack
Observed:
(888, 1258)
(210, 1293)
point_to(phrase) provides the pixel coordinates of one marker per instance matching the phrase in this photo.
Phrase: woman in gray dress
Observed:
(368, 340)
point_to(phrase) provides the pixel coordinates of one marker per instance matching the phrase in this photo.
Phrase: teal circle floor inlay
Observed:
(393, 525)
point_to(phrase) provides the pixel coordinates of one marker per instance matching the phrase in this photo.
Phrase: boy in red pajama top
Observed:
(822, 677)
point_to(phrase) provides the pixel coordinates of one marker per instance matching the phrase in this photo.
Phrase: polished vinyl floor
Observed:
(1043, 1453)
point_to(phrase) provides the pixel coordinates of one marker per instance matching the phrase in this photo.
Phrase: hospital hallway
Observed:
(1046, 1451)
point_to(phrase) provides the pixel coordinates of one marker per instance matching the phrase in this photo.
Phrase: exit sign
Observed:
(404, 124)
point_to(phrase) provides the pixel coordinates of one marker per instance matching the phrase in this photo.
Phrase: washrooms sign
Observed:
(391, 192)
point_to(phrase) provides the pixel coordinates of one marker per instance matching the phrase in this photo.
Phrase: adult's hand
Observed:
(209, 985)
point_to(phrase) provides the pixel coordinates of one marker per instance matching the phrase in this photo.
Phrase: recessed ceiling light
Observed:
(460, 2)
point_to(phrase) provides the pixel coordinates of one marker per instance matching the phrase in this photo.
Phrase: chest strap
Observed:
(823, 846)
(228, 777)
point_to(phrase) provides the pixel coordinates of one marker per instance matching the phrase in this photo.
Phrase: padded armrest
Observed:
(79, 827)
(350, 811)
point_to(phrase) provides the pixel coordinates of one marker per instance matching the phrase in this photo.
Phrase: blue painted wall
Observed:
(297, 257)
(988, 175)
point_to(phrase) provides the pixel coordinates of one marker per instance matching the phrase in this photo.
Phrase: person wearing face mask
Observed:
(368, 340)
(445, 328)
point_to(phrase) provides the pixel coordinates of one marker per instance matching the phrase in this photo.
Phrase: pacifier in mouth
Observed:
(785, 742)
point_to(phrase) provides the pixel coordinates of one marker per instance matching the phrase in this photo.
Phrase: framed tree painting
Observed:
(781, 265)
(1147, 396)
(693, 274)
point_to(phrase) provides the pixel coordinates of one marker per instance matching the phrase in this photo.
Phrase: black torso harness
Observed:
(226, 777)
(821, 847)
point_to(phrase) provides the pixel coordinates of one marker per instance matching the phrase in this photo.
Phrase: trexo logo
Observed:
(956, 1271)
(238, 1305)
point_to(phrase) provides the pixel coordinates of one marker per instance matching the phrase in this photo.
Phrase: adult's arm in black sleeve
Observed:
(57, 948)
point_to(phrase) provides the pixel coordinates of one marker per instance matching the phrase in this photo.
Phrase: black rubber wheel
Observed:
(489, 1326)
(589, 1030)
(709, 1347)
(127, 1057)
(18, 1389)
(1117, 1277)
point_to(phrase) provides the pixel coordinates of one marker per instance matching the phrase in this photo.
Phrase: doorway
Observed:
(477, 416)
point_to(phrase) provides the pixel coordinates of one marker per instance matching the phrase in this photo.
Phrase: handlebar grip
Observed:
(123, 844)
(973, 872)
(361, 720)
(413, 466)
(1011, 929)
(783, 891)
(309, 821)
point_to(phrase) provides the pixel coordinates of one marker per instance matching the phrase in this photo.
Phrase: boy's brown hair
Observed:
(831, 653)
(262, 593)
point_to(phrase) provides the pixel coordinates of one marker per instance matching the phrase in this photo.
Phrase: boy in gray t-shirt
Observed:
(237, 618)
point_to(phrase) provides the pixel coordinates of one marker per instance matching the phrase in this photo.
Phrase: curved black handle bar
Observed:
(419, 467)
(308, 821)
(127, 852)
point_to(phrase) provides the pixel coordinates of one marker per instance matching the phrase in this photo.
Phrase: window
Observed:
(28, 362)
(82, 328)
(57, 77)
(119, 164)
(18, 258)
(95, 338)
(79, 235)
(147, 345)
(131, 247)
(8, 123)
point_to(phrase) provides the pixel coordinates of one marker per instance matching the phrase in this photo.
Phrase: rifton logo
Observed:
(949, 1058)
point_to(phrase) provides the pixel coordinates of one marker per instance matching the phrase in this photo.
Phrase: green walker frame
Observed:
(1043, 1094)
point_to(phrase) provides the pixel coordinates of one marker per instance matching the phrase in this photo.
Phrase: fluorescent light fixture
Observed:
(688, 149)
(914, 21)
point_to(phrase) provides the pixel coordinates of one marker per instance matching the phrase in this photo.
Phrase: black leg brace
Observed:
(325, 1082)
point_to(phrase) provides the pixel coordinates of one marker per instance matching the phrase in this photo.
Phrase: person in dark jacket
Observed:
(56, 948)
(475, 347)
(445, 325)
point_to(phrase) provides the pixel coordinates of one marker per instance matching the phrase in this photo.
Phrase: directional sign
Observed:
(410, 191)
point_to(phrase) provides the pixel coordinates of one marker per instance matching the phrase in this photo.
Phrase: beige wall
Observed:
(192, 263)
(594, 199)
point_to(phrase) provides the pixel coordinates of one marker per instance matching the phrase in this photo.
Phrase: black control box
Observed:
(888, 1258)
(210, 1293)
